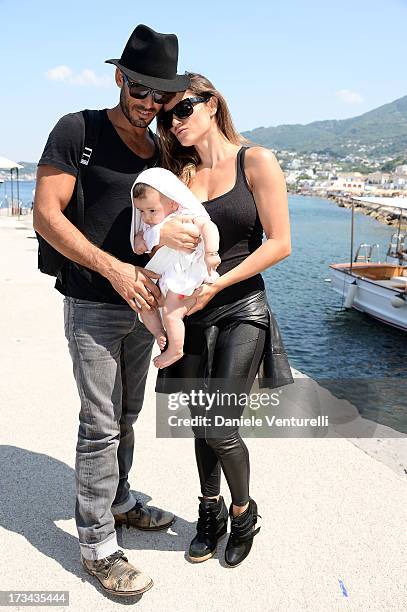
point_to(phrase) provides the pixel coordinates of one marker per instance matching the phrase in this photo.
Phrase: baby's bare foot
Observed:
(167, 358)
(161, 340)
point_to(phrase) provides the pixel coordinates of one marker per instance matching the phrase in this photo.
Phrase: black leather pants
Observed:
(236, 357)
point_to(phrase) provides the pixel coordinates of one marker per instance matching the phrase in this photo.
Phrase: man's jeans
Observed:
(110, 350)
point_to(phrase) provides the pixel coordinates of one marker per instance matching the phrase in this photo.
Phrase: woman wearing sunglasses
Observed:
(228, 328)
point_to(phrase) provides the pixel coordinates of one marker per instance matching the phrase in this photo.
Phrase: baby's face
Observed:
(154, 207)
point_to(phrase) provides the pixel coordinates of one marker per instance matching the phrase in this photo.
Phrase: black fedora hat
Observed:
(151, 58)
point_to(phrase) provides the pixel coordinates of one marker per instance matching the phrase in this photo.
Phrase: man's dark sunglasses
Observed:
(182, 110)
(140, 92)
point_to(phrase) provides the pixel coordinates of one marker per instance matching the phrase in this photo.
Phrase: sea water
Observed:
(322, 338)
(25, 192)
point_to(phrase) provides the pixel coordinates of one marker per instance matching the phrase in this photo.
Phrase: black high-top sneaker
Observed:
(242, 533)
(212, 525)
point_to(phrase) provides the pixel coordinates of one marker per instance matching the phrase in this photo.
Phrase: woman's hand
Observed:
(180, 234)
(202, 295)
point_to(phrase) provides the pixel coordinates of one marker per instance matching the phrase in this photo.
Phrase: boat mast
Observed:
(399, 253)
(351, 235)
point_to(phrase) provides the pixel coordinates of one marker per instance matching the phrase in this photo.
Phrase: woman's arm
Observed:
(267, 183)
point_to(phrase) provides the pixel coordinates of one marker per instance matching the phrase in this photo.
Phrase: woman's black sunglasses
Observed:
(140, 92)
(182, 110)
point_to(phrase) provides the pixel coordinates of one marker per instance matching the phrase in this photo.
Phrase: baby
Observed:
(159, 195)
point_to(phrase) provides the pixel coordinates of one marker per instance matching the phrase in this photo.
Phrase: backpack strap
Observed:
(92, 128)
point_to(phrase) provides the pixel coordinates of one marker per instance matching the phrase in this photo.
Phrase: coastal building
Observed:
(378, 178)
(348, 182)
(400, 181)
(401, 170)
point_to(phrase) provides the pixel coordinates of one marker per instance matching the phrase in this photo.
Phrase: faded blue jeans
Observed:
(110, 350)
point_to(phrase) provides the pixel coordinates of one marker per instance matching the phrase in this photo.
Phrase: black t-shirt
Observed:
(107, 182)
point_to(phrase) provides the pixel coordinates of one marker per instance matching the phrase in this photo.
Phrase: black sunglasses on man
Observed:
(140, 92)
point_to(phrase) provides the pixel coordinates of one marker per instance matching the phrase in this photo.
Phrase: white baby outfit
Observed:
(180, 272)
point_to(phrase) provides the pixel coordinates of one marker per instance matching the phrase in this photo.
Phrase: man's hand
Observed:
(134, 285)
(179, 233)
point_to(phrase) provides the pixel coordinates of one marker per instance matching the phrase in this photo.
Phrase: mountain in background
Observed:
(29, 166)
(382, 131)
(26, 173)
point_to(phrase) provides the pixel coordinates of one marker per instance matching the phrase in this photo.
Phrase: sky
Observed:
(276, 61)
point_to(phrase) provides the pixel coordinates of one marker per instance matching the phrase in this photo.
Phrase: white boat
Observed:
(377, 288)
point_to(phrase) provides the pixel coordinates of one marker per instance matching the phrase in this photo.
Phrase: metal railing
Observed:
(368, 254)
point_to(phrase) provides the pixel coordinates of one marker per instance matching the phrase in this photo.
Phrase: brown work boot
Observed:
(117, 576)
(147, 518)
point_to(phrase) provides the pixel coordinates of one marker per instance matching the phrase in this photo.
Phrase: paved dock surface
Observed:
(334, 527)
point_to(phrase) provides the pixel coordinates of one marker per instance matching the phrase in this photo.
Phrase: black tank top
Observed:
(241, 233)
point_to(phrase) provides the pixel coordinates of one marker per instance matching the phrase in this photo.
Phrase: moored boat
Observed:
(377, 288)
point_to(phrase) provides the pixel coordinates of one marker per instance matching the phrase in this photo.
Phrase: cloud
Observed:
(88, 77)
(85, 77)
(59, 73)
(349, 97)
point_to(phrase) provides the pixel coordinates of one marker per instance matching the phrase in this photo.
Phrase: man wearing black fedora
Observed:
(103, 282)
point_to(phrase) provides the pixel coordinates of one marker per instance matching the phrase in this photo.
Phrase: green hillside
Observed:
(382, 130)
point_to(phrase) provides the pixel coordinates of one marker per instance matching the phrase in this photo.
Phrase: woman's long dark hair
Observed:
(183, 161)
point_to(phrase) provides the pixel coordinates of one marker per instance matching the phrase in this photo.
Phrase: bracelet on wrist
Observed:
(211, 253)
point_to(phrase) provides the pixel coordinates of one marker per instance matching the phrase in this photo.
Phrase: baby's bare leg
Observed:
(152, 320)
(175, 309)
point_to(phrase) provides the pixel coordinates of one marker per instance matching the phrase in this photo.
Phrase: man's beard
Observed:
(124, 105)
